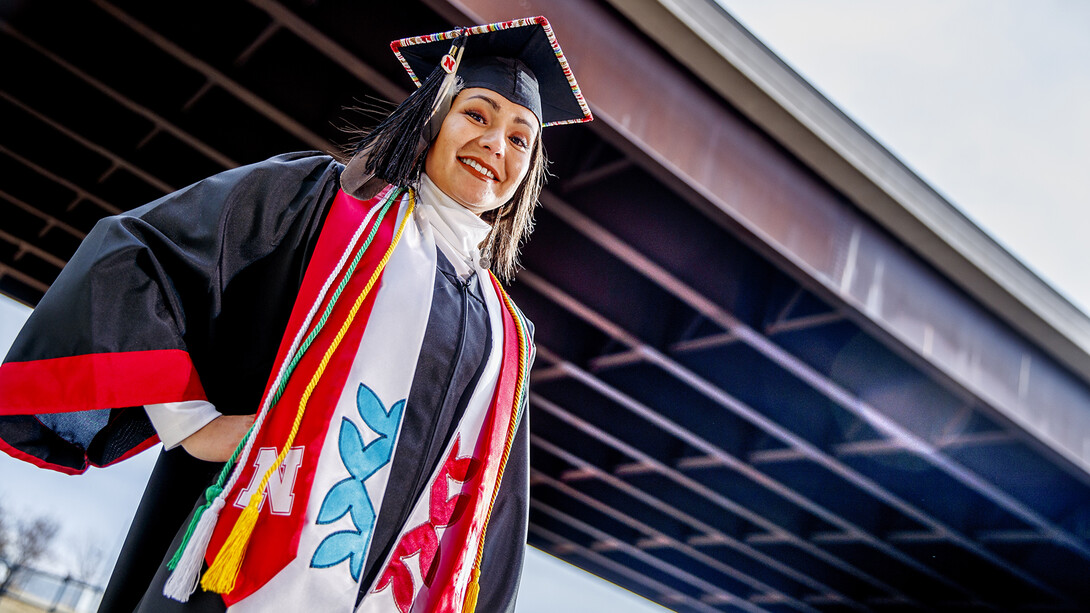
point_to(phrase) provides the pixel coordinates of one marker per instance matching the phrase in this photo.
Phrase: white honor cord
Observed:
(236, 472)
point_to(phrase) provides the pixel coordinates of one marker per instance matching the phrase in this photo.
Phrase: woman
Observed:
(351, 309)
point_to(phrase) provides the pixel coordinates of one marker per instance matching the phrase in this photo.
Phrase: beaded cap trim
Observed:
(396, 46)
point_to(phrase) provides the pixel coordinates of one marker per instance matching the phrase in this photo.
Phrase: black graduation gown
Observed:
(211, 272)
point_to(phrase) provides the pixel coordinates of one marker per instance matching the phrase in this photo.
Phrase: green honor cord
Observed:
(215, 490)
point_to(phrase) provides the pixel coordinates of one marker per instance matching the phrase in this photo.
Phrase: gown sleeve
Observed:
(182, 299)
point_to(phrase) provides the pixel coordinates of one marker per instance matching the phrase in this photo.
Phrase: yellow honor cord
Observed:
(223, 573)
(474, 588)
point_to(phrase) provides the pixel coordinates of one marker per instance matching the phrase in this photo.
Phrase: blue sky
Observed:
(986, 99)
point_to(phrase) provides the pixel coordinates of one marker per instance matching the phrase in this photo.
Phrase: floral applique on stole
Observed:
(350, 495)
(444, 510)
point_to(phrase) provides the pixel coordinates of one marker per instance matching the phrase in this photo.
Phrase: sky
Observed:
(985, 99)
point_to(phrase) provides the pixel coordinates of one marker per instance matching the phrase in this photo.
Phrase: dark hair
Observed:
(513, 222)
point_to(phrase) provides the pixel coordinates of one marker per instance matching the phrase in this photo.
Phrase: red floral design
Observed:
(443, 511)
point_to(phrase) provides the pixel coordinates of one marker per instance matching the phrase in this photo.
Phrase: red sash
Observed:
(276, 537)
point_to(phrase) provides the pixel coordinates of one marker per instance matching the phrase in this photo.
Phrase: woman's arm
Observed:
(180, 300)
(217, 440)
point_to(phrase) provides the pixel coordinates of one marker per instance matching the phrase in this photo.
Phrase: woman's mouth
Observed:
(478, 167)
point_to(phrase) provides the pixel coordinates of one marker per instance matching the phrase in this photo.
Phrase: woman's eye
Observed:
(475, 116)
(519, 141)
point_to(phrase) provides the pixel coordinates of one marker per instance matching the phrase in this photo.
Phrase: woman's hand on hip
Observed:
(217, 440)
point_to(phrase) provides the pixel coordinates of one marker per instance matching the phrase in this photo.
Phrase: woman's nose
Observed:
(493, 141)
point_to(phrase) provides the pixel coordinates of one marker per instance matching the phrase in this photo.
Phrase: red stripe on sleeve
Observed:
(40, 463)
(98, 381)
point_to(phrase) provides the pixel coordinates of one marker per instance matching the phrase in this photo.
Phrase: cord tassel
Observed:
(472, 591)
(189, 559)
(523, 347)
(223, 573)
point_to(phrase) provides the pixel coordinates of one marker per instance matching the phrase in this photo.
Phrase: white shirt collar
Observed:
(458, 232)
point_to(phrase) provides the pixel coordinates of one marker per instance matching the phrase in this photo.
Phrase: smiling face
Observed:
(483, 150)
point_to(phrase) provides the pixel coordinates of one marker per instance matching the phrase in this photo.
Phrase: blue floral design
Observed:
(350, 495)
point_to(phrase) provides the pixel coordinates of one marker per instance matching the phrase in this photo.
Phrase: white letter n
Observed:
(281, 482)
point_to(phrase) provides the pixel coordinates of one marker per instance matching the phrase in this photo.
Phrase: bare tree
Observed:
(4, 537)
(32, 539)
(30, 543)
(5, 540)
(88, 557)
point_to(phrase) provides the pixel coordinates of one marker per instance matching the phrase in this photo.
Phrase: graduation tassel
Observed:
(188, 560)
(223, 573)
(395, 147)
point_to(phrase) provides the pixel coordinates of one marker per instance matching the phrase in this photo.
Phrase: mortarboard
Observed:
(519, 59)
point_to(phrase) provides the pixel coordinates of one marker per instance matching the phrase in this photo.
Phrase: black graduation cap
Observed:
(519, 59)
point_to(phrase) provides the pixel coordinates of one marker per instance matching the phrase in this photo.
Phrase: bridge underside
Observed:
(711, 427)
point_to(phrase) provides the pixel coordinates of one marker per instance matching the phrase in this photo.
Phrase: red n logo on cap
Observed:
(448, 63)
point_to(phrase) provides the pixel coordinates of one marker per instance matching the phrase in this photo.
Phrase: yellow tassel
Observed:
(472, 591)
(220, 577)
(223, 573)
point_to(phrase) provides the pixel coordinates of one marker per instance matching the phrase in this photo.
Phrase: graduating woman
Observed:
(326, 346)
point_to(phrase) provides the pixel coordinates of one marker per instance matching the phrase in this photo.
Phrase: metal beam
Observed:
(813, 453)
(331, 49)
(25, 247)
(856, 533)
(592, 175)
(633, 468)
(878, 447)
(59, 180)
(614, 360)
(282, 119)
(656, 539)
(138, 109)
(773, 456)
(1012, 536)
(781, 535)
(23, 277)
(565, 547)
(804, 372)
(50, 221)
(975, 440)
(709, 535)
(115, 159)
(706, 342)
(803, 323)
(705, 586)
(258, 42)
